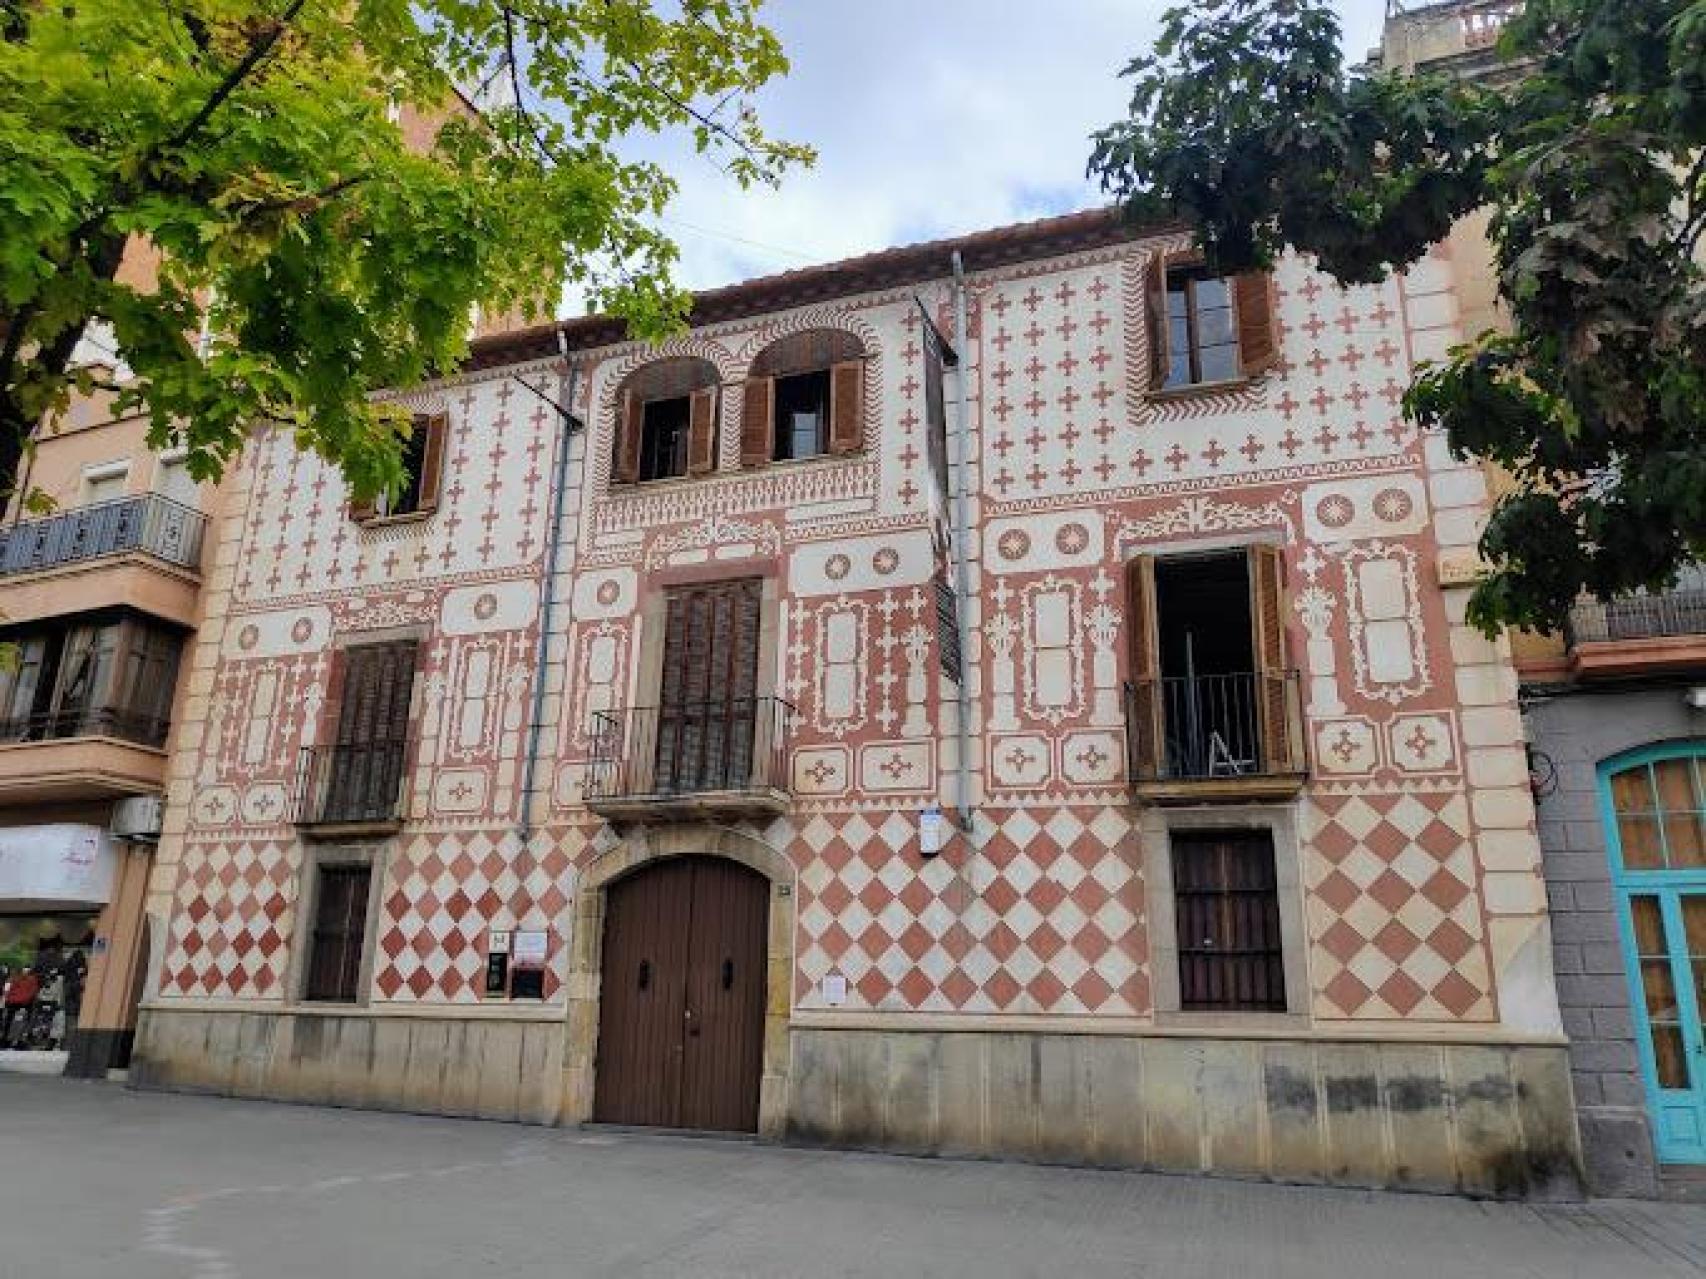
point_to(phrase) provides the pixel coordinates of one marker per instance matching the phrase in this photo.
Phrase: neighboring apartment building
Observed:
(1615, 713)
(97, 600)
(1251, 883)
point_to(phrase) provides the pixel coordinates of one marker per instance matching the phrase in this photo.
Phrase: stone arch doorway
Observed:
(644, 873)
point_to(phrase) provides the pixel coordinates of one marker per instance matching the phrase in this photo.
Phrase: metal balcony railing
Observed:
(1630, 617)
(351, 784)
(738, 746)
(50, 726)
(149, 523)
(1214, 727)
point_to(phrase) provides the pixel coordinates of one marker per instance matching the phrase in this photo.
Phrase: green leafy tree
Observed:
(1586, 148)
(325, 207)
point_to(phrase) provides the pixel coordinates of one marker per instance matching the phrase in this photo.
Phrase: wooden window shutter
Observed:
(757, 422)
(1144, 732)
(630, 411)
(1155, 307)
(1258, 338)
(437, 427)
(847, 407)
(374, 685)
(1267, 619)
(702, 432)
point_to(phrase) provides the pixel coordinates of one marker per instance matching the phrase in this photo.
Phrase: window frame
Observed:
(1156, 828)
(682, 443)
(375, 859)
(826, 376)
(1194, 275)
(424, 488)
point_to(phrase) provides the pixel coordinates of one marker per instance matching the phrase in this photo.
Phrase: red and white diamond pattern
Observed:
(445, 891)
(232, 923)
(1046, 917)
(1394, 918)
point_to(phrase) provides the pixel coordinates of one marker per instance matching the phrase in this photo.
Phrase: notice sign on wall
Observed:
(529, 947)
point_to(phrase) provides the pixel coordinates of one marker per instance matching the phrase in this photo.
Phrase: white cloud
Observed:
(931, 118)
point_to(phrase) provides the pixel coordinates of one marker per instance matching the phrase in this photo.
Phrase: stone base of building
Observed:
(1617, 1150)
(474, 1066)
(1477, 1119)
(94, 1051)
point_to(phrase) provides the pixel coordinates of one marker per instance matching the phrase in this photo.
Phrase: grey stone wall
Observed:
(1577, 730)
(482, 1068)
(1476, 1119)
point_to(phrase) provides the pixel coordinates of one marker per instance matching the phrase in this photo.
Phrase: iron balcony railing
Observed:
(1656, 616)
(50, 726)
(1214, 727)
(355, 783)
(737, 745)
(149, 523)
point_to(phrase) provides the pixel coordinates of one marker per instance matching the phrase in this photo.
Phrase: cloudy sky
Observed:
(931, 118)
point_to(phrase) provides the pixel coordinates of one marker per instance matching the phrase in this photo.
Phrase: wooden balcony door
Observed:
(366, 769)
(681, 1020)
(707, 694)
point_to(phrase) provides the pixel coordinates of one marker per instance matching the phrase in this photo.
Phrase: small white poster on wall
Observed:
(529, 946)
(834, 990)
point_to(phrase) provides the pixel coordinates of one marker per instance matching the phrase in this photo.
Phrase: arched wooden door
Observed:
(681, 1017)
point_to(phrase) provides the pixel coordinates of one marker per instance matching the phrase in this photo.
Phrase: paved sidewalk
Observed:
(95, 1181)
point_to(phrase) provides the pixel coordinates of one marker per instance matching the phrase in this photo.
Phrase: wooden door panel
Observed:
(643, 997)
(724, 1020)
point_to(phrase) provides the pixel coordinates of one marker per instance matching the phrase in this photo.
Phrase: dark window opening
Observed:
(407, 500)
(1226, 907)
(1210, 697)
(663, 437)
(340, 927)
(1202, 332)
(802, 416)
(108, 675)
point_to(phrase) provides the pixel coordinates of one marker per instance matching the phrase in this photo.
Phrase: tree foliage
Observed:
(326, 208)
(1586, 147)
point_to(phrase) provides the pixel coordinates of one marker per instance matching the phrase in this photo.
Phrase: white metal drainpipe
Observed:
(553, 544)
(962, 539)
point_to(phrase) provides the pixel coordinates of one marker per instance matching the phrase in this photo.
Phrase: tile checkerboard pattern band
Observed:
(1045, 918)
(230, 931)
(1394, 918)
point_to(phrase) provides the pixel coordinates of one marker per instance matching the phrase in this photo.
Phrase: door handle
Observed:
(692, 1026)
(645, 973)
(728, 974)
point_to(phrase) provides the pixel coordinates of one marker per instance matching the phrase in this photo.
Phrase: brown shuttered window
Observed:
(1206, 329)
(702, 432)
(423, 472)
(707, 688)
(340, 927)
(756, 422)
(373, 684)
(1226, 904)
(1144, 736)
(847, 407)
(1266, 569)
(626, 469)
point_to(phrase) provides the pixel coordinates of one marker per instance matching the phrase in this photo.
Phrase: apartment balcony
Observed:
(352, 790)
(700, 761)
(81, 755)
(1215, 738)
(1663, 633)
(142, 551)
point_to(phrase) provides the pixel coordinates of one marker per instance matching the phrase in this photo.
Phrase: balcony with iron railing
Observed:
(351, 789)
(139, 552)
(1197, 738)
(700, 760)
(1659, 632)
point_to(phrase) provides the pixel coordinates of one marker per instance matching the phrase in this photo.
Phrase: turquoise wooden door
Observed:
(1655, 802)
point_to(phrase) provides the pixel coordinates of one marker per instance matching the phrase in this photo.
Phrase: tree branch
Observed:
(258, 52)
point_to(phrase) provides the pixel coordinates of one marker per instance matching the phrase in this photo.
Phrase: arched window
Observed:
(666, 421)
(805, 396)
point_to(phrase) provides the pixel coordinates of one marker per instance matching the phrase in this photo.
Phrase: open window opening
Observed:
(664, 426)
(802, 416)
(1206, 329)
(666, 421)
(423, 464)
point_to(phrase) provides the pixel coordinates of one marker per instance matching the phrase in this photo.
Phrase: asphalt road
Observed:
(96, 1180)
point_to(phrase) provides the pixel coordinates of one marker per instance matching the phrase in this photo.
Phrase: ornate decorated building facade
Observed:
(688, 746)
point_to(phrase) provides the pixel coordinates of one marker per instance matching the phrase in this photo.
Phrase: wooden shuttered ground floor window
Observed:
(340, 929)
(1226, 904)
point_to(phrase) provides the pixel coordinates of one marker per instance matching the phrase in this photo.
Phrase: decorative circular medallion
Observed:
(1393, 505)
(1335, 510)
(609, 591)
(885, 561)
(248, 637)
(486, 607)
(1071, 539)
(303, 630)
(1015, 544)
(836, 567)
